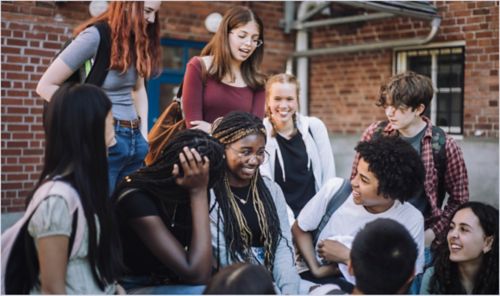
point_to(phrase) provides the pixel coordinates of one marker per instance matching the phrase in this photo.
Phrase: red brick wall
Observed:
(477, 24)
(31, 37)
(344, 87)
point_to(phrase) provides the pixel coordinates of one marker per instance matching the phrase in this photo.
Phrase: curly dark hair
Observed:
(396, 165)
(446, 278)
(383, 256)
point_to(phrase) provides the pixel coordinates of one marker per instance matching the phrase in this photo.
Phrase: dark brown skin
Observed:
(193, 266)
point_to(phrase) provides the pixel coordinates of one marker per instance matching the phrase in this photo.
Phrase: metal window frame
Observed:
(400, 59)
(171, 76)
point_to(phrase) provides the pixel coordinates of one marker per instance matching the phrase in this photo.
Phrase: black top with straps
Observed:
(137, 256)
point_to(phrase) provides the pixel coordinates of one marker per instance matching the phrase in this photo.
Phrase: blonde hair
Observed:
(281, 78)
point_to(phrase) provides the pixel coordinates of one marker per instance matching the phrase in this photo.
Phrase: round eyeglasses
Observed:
(246, 155)
(244, 37)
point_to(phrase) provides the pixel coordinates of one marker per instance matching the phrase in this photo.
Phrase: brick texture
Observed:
(343, 87)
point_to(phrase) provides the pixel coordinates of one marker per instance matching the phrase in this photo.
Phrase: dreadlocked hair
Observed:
(232, 128)
(157, 179)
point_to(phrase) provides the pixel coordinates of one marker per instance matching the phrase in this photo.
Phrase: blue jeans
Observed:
(145, 285)
(126, 156)
(417, 281)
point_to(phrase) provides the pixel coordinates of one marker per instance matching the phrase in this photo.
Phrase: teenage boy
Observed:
(389, 172)
(405, 98)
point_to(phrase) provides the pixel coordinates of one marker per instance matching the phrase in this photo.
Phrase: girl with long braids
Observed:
(248, 212)
(163, 215)
(133, 31)
(233, 80)
(467, 262)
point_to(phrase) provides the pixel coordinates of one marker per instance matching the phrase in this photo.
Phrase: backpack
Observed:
(338, 198)
(93, 70)
(170, 122)
(438, 144)
(19, 257)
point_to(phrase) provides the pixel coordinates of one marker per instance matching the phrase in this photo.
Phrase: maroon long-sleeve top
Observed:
(215, 98)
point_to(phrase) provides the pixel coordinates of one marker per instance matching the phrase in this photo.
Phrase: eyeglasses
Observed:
(246, 155)
(243, 37)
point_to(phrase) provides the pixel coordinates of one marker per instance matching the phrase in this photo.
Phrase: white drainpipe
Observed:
(301, 44)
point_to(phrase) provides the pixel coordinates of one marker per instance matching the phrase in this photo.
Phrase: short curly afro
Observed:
(396, 165)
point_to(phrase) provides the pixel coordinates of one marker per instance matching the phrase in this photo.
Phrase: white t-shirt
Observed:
(350, 218)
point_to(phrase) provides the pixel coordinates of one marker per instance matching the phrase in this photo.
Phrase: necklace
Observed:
(243, 201)
(233, 195)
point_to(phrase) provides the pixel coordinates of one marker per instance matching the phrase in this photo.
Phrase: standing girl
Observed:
(301, 158)
(134, 56)
(248, 212)
(163, 215)
(467, 263)
(75, 162)
(232, 81)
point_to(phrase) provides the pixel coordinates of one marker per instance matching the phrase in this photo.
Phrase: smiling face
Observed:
(244, 158)
(243, 41)
(282, 103)
(364, 190)
(466, 239)
(150, 9)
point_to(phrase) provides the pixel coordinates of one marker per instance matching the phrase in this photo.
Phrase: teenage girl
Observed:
(247, 211)
(135, 55)
(301, 158)
(233, 81)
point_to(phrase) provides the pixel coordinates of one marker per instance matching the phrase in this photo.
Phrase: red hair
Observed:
(133, 39)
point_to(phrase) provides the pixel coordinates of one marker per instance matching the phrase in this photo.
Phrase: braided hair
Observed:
(283, 78)
(232, 128)
(446, 278)
(157, 179)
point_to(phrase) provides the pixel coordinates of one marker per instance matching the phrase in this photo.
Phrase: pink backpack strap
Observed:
(72, 198)
(60, 188)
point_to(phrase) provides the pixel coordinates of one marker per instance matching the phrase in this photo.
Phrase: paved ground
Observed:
(481, 159)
